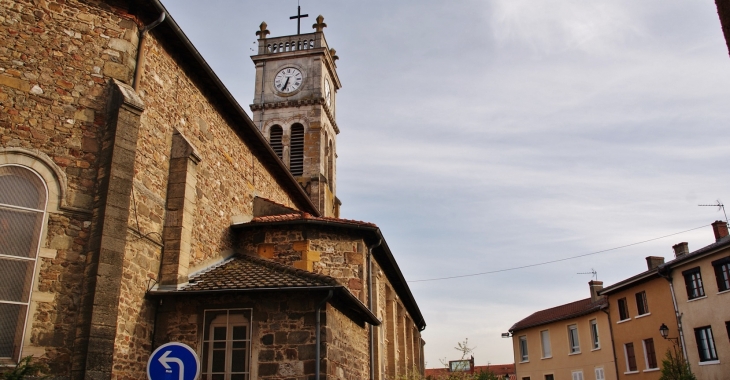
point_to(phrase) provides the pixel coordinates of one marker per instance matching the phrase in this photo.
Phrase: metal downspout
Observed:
(610, 331)
(371, 335)
(677, 314)
(141, 51)
(318, 334)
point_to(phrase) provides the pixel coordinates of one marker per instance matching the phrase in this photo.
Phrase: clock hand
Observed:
(285, 83)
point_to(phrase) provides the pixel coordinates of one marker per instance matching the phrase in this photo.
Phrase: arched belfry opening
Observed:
(275, 135)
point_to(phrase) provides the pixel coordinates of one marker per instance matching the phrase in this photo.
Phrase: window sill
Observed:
(651, 370)
(623, 320)
(642, 315)
(709, 362)
(697, 299)
(596, 349)
(547, 357)
(574, 353)
(724, 291)
(631, 372)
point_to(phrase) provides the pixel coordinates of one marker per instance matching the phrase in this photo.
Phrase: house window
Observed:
(641, 305)
(705, 344)
(23, 198)
(549, 377)
(693, 282)
(727, 327)
(577, 375)
(630, 357)
(226, 344)
(650, 354)
(545, 340)
(275, 140)
(600, 375)
(523, 349)
(573, 339)
(722, 273)
(623, 309)
(594, 334)
(296, 149)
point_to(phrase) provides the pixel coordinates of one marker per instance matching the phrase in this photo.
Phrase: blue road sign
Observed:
(173, 361)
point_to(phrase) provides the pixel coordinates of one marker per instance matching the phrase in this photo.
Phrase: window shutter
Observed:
(275, 141)
(296, 160)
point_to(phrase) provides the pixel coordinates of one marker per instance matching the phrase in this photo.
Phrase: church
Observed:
(141, 205)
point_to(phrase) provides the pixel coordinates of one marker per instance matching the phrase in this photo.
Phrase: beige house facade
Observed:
(702, 288)
(571, 341)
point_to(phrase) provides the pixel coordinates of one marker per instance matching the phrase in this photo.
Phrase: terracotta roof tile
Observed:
(306, 216)
(248, 272)
(558, 313)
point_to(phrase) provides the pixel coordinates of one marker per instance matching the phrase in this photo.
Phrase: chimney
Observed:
(681, 249)
(720, 229)
(595, 287)
(654, 261)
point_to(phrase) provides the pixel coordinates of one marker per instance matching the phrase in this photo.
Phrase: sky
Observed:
(482, 136)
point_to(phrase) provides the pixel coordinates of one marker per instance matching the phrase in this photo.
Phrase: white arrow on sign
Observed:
(164, 360)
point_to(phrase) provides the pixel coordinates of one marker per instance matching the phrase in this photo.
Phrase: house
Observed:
(701, 286)
(637, 308)
(693, 313)
(502, 371)
(566, 341)
(140, 205)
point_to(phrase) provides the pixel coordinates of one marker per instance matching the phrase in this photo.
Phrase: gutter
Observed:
(235, 108)
(677, 314)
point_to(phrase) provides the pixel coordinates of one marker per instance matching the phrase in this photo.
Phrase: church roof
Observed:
(559, 313)
(306, 216)
(245, 274)
(248, 272)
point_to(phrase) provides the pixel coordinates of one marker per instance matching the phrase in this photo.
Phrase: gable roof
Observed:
(372, 235)
(177, 44)
(666, 268)
(246, 274)
(559, 313)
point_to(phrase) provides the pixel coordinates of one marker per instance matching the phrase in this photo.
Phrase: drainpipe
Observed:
(371, 334)
(677, 314)
(610, 331)
(141, 50)
(318, 334)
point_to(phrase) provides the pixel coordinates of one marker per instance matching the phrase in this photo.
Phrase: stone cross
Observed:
(320, 24)
(263, 32)
(299, 17)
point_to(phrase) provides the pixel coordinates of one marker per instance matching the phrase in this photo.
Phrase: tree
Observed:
(23, 370)
(674, 367)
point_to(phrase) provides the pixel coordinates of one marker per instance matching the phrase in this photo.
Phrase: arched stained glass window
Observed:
(275, 141)
(23, 197)
(296, 161)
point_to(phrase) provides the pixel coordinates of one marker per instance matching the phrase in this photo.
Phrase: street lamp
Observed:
(664, 331)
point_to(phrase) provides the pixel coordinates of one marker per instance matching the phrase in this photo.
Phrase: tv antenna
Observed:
(719, 206)
(592, 272)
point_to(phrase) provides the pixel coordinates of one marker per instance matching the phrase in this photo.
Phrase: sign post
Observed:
(173, 361)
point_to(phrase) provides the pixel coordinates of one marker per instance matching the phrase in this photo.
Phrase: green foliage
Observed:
(23, 370)
(486, 375)
(675, 368)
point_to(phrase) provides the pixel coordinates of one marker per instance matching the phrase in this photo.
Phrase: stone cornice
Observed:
(299, 103)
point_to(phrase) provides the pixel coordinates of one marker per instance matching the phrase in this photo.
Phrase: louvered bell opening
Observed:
(296, 161)
(275, 141)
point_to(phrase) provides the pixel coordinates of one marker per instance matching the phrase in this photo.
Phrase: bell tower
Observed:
(294, 107)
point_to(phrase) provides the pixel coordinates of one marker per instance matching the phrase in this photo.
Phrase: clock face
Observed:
(288, 80)
(327, 92)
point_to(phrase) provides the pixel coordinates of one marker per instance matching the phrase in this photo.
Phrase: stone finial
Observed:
(263, 32)
(320, 24)
(333, 53)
